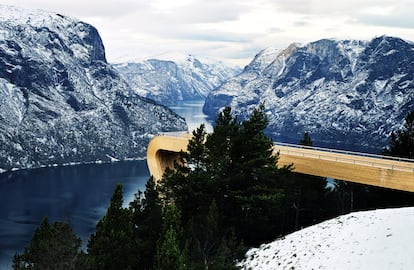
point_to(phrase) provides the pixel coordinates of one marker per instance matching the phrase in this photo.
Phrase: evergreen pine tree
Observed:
(306, 140)
(227, 253)
(113, 245)
(53, 246)
(219, 144)
(204, 235)
(197, 159)
(169, 254)
(402, 141)
(147, 219)
(239, 173)
(189, 185)
(253, 189)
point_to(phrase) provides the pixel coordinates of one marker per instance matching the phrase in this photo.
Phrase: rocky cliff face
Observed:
(348, 94)
(173, 78)
(61, 102)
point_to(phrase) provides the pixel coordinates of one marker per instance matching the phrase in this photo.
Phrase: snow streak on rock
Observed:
(348, 94)
(61, 102)
(172, 78)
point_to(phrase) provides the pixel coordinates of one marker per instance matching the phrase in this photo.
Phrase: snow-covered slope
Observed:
(61, 102)
(348, 94)
(175, 77)
(380, 239)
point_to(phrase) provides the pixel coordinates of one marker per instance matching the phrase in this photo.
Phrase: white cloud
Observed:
(201, 11)
(233, 30)
(82, 8)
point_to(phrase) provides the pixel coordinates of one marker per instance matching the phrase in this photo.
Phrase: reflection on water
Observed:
(78, 194)
(192, 111)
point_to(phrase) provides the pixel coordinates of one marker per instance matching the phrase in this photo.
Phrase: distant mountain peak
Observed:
(348, 94)
(21, 15)
(176, 57)
(171, 77)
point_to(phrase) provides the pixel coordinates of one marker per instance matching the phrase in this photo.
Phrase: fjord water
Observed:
(192, 111)
(77, 194)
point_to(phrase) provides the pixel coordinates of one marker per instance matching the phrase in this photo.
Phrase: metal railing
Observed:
(177, 134)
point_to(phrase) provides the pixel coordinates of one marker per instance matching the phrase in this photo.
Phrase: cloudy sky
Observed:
(229, 30)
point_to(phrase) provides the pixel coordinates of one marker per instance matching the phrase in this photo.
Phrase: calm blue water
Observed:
(192, 111)
(78, 194)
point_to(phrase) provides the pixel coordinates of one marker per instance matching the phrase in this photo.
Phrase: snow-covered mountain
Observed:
(170, 78)
(61, 102)
(348, 94)
(370, 240)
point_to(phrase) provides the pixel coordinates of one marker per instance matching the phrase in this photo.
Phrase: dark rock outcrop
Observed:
(348, 94)
(61, 102)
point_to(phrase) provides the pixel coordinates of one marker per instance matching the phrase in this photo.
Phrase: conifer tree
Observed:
(306, 140)
(113, 245)
(147, 219)
(402, 141)
(169, 254)
(53, 246)
(197, 159)
(203, 235)
(189, 185)
(219, 144)
(235, 167)
(253, 192)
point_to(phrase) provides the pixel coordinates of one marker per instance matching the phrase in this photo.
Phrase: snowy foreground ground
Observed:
(380, 239)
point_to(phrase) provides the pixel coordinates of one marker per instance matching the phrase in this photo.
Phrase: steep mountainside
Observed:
(348, 94)
(173, 78)
(60, 101)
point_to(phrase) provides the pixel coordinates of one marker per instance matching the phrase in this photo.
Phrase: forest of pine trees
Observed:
(225, 195)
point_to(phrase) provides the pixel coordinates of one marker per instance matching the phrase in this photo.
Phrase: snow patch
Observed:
(170, 78)
(112, 159)
(380, 239)
(75, 108)
(344, 82)
(390, 52)
(405, 84)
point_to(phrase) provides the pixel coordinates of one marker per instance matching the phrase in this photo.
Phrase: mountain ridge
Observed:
(61, 101)
(171, 78)
(349, 94)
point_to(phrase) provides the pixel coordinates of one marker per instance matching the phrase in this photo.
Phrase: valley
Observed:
(73, 125)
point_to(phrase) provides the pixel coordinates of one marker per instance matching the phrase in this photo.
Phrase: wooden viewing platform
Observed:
(355, 167)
